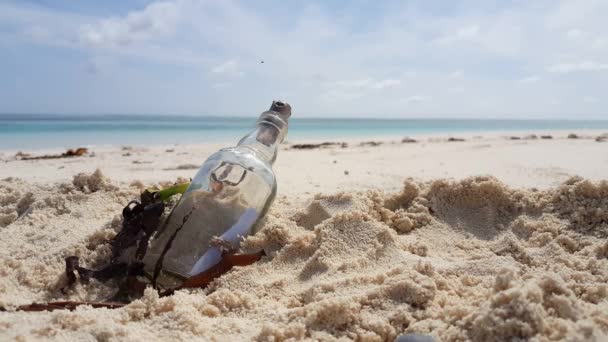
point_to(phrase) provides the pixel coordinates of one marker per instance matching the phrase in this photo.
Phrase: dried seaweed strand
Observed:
(228, 261)
(67, 305)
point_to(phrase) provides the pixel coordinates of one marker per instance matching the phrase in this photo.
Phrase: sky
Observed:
(394, 59)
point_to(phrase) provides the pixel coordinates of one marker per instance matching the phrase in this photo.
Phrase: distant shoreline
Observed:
(91, 132)
(439, 137)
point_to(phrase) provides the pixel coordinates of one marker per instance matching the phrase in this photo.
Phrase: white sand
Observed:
(478, 258)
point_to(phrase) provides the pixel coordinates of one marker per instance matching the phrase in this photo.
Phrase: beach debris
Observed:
(183, 167)
(321, 145)
(81, 151)
(65, 305)
(371, 143)
(346, 172)
(601, 138)
(452, 139)
(514, 138)
(170, 150)
(72, 267)
(21, 155)
(531, 137)
(573, 136)
(408, 140)
(546, 137)
(140, 221)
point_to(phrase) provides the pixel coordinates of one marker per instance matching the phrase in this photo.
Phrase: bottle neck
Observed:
(264, 141)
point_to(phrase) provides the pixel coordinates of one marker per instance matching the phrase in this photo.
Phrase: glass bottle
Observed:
(233, 189)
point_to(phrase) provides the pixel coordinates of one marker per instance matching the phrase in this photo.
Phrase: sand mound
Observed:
(93, 182)
(467, 260)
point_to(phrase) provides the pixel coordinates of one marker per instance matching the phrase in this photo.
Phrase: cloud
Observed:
(158, 19)
(97, 65)
(577, 67)
(220, 85)
(469, 32)
(600, 43)
(457, 89)
(362, 83)
(229, 67)
(386, 84)
(589, 99)
(574, 33)
(530, 79)
(368, 83)
(416, 99)
(328, 60)
(456, 74)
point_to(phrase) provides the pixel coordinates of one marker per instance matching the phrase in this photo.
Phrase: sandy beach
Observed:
(501, 236)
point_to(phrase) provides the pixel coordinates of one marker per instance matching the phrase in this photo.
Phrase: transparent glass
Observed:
(233, 189)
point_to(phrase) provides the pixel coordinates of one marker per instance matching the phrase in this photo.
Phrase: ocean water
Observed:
(54, 131)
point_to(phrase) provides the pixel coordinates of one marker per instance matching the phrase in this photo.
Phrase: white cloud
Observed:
(456, 74)
(340, 95)
(530, 79)
(368, 83)
(98, 65)
(600, 43)
(589, 99)
(362, 83)
(220, 85)
(457, 89)
(230, 67)
(574, 33)
(469, 32)
(386, 84)
(158, 19)
(416, 99)
(576, 67)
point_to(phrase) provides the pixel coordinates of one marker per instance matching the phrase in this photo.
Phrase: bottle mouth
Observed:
(281, 108)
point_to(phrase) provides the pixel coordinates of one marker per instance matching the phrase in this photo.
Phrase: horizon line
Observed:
(34, 116)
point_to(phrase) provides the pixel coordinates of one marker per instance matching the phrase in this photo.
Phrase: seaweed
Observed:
(316, 146)
(79, 152)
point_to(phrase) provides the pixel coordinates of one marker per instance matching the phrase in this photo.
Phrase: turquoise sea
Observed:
(57, 131)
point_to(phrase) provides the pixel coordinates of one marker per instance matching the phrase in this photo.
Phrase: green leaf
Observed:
(165, 194)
